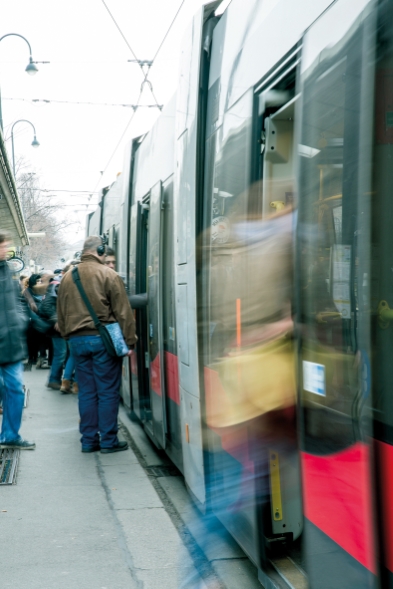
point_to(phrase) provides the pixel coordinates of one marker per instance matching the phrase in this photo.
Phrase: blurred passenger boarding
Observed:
(252, 227)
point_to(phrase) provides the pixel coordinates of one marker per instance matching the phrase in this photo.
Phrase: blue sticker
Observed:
(314, 378)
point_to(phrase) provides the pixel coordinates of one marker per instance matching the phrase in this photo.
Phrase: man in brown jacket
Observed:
(98, 373)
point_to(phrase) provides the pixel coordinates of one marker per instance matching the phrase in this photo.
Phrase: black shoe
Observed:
(18, 445)
(90, 448)
(118, 448)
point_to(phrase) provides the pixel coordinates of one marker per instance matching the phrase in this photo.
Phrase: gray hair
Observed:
(91, 244)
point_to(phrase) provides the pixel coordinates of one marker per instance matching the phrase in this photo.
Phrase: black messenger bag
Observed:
(106, 338)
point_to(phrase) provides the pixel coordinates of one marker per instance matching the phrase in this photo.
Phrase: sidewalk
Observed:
(81, 521)
(92, 521)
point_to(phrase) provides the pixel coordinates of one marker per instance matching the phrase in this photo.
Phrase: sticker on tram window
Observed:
(314, 378)
(220, 230)
(172, 333)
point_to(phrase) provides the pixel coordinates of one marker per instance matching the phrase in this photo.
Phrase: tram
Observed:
(254, 220)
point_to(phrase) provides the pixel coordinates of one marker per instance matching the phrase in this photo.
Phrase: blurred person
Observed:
(37, 342)
(250, 391)
(31, 294)
(22, 279)
(69, 265)
(69, 383)
(110, 258)
(47, 310)
(13, 324)
(98, 373)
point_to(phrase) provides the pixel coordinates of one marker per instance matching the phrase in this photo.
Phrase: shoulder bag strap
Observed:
(77, 280)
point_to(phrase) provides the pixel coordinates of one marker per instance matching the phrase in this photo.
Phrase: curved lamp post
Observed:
(34, 142)
(31, 67)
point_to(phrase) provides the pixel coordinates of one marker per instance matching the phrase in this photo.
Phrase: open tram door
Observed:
(147, 364)
(155, 343)
(135, 395)
(333, 303)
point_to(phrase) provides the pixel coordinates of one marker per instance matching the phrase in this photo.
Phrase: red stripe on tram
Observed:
(337, 499)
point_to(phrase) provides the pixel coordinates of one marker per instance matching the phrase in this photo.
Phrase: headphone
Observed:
(101, 248)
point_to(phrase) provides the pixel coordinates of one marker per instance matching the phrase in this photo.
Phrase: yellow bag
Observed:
(252, 382)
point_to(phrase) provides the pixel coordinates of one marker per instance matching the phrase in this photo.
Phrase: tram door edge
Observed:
(155, 338)
(333, 257)
(137, 285)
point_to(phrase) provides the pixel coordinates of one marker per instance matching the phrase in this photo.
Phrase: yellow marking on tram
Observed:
(275, 485)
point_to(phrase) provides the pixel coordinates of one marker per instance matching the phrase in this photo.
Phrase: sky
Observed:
(88, 63)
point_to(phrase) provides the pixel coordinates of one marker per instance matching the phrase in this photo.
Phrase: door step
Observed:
(293, 576)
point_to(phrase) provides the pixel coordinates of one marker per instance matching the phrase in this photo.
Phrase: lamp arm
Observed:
(17, 35)
(22, 121)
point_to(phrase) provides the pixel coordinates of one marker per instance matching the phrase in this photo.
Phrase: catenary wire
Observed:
(119, 142)
(49, 101)
(145, 79)
(167, 33)
(119, 29)
(141, 66)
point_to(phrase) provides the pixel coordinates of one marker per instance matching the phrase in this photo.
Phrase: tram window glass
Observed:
(327, 245)
(381, 278)
(228, 201)
(250, 273)
(168, 274)
(133, 248)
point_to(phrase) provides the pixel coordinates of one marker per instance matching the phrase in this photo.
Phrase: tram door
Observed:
(155, 347)
(139, 403)
(333, 307)
(381, 284)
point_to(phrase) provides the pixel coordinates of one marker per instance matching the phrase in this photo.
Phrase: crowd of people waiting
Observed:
(46, 348)
(29, 315)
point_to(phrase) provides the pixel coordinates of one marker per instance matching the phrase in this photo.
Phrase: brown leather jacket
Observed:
(106, 293)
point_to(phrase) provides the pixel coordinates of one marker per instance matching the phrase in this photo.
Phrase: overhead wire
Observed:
(50, 101)
(142, 64)
(167, 33)
(145, 68)
(118, 143)
(119, 29)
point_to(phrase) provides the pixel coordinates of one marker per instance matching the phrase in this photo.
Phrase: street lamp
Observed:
(31, 67)
(34, 142)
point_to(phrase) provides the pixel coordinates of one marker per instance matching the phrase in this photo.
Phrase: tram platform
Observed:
(114, 521)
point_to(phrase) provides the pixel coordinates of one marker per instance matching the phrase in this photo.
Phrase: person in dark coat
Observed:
(37, 342)
(13, 324)
(47, 310)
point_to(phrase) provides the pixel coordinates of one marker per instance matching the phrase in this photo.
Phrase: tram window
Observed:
(228, 201)
(327, 244)
(249, 259)
(381, 279)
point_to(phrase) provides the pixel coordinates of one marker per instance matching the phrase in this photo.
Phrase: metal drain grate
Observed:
(163, 471)
(8, 466)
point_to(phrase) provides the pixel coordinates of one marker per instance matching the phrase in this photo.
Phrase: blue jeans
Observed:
(98, 376)
(70, 366)
(13, 401)
(59, 356)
